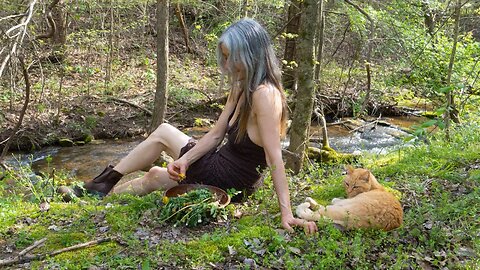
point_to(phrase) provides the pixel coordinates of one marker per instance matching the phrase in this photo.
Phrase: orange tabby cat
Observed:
(368, 205)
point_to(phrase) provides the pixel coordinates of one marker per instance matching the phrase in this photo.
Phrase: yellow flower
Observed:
(165, 199)
(181, 176)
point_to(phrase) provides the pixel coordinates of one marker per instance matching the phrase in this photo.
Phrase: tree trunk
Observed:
(364, 108)
(161, 93)
(429, 18)
(179, 13)
(60, 33)
(371, 34)
(108, 67)
(451, 113)
(320, 42)
(306, 86)
(57, 24)
(318, 72)
(293, 23)
(8, 142)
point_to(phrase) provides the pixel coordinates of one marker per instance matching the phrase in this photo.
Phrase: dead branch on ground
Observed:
(373, 123)
(25, 258)
(148, 112)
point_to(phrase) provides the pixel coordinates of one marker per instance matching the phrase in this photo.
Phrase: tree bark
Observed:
(363, 109)
(320, 42)
(306, 86)
(59, 37)
(451, 113)
(294, 14)
(60, 33)
(429, 18)
(319, 111)
(161, 93)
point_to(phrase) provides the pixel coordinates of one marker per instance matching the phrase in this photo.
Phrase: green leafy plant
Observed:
(192, 208)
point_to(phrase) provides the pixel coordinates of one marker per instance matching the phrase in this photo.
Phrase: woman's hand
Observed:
(309, 227)
(177, 169)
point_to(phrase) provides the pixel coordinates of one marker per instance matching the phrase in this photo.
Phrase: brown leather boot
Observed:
(104, 182)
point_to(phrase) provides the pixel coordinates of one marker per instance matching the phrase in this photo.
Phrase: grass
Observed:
(438, 182)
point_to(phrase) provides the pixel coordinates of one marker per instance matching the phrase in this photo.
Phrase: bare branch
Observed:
(357, 7)
(148, 112)
(12, 17)
(24, 22)
(285, 25)
(19, 36)
(32, 247)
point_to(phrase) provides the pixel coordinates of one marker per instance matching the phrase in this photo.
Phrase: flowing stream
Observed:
(85, 162)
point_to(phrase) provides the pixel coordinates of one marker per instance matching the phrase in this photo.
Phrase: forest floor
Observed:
(121, 110)
(438, 182)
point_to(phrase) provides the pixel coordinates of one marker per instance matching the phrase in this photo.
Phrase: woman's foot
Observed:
(103, 183)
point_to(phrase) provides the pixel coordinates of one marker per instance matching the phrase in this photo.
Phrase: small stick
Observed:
(78, 246)
(148, 112)
(33, 246)
(20, 256)
(366, 125)
(22, 259)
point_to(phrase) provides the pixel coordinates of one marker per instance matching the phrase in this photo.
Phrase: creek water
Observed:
(85, 162)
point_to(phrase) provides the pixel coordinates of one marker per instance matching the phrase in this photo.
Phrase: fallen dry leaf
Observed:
(44, 206)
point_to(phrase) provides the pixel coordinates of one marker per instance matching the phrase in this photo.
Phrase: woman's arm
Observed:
(267, 109)
(210, 140)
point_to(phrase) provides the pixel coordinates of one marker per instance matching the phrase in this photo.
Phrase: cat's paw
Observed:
(336, 200)
(313, 204)
(303, 211)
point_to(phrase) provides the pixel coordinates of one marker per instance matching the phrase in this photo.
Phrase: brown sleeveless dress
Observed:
(233, 165)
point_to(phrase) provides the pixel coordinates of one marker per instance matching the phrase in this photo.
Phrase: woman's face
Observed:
(239, 71)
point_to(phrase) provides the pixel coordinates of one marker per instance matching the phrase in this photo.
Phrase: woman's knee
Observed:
(166, 134)
(157, 178)
(155, 173)
(162, 130)
(170, 137)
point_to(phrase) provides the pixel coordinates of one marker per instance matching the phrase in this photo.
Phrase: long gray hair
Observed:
(250, 46)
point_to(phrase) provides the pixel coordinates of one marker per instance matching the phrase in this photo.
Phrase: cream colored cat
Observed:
(368, 205)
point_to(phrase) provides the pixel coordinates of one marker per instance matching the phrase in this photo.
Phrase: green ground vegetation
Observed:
(438, 182)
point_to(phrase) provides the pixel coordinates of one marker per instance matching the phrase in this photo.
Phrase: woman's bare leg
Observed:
(165, 138)
(155, 178)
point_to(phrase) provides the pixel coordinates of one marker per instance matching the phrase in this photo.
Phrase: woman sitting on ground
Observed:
(254, 119)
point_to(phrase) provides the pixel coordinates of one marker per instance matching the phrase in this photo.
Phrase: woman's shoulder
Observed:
(265, 91)
(266, 96)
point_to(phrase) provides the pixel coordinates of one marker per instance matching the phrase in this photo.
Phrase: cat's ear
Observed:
(349, 169)
(365, 176)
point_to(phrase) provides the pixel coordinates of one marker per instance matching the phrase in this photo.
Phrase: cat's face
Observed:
(357, 181)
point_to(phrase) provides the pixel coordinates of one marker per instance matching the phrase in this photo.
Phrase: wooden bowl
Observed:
(222, 196)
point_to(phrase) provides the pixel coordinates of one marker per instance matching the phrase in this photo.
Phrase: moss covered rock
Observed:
(329, 155)
(65, 142)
